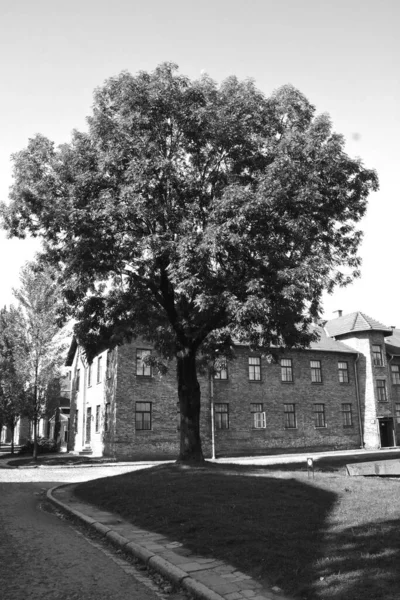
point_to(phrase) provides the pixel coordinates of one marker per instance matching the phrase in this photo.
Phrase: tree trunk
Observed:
(35, 444)
(189, 404)
(12, 438)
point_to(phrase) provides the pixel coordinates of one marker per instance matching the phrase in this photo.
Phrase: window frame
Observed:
(145, 370)
(89, 381)
(97, 422)
(286, 370)
(143, 409)
(252, 368)
(107, 417)
(380, 361)
(397, 412)
(317, 413)
(343, 372)
(288, 414)
(78, 380)
(395, 374)
(222, 373)
(347, 415)
(258, 417)
(381, 388)
(99, 368)
(316, 370)
(221, 416)
(108, 364)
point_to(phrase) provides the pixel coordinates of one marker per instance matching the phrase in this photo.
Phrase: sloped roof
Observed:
(356, 321)
(393, 343)
(328, 344)
(325, 343)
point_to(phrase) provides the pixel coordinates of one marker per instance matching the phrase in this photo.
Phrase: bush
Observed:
(45, 445)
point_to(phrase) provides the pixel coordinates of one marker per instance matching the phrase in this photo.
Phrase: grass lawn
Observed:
(331, 537)
(54, 460)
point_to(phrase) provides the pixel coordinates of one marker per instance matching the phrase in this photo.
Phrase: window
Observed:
(316, 373)
(221, 369)
(347, 415)
(377, 356)
(78, 379)
(89, 381)
(142, 368)
(88, 425)
(254, 368)
(286, 370)
(381, 390)
(76, 421)
(290, 416)
(143, 415)
(99, 369)
(107, 414)
(257, 416)
(395, 374)
(97, 428)
(343, 370)
(319, 415)
(398, 413)
(108, 365)
(221, 416)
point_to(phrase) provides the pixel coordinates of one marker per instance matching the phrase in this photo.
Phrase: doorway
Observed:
(386, 432)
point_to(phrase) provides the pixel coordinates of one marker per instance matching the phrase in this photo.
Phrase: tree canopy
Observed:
(193, 214)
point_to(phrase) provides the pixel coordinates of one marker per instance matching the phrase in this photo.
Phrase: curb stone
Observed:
(201, 575)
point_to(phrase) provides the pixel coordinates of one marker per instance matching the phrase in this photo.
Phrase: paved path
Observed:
(43, 557)
(205, 578)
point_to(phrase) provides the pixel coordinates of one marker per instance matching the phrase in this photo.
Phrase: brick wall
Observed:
(162, 441)
(272, 393)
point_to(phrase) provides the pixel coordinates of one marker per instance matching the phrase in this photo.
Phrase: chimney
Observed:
(339, 312)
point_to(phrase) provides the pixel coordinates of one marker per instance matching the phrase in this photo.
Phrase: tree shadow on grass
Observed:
(279, 529)
(271, 528)
(361, 563)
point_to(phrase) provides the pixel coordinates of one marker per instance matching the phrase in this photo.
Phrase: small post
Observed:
(310, 467)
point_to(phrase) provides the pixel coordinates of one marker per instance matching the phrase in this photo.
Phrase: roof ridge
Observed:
(363, 316)
(355, 319)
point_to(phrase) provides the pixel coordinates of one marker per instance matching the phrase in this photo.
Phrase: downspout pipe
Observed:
(358, 400)
(392, 399)
(211, 377)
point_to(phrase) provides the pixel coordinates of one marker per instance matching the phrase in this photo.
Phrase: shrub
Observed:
(45, 445)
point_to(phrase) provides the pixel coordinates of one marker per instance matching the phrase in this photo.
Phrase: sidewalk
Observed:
(204, 578)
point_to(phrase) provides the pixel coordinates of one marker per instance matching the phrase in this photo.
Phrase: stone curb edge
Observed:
(173, 573)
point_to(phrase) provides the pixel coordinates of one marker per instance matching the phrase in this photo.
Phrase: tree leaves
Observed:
(191, 208)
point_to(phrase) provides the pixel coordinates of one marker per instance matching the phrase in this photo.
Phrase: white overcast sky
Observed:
(343, 55)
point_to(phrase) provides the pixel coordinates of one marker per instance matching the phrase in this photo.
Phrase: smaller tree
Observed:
(13, 396)
(38, 339)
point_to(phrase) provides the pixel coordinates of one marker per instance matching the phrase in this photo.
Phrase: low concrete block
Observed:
(103, 529)
(139, 552)
(199, 590)
(172, 572)
(116, 538)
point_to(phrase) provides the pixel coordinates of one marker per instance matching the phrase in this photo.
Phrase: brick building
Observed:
(342, 392)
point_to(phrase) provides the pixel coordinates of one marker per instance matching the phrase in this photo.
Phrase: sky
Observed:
(343, 55)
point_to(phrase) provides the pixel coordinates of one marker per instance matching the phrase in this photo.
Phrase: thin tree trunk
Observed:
(12, 438)
(35, 444)
(189, 404)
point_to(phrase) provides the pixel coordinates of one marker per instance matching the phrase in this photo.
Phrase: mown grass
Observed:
(329, 538)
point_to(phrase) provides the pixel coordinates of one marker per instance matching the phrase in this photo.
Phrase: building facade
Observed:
(343, 392)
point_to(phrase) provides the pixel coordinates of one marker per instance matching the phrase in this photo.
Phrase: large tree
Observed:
(192, 214)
